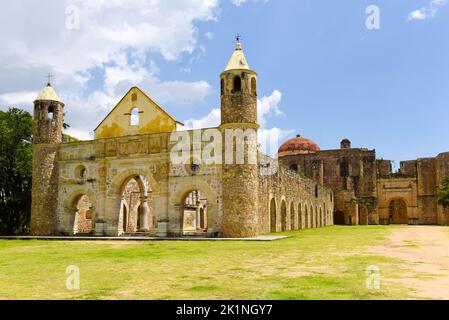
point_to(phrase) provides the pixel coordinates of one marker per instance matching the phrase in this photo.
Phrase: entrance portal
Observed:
(195, 219)
(83, 217)
(398, 212)
(339, 218)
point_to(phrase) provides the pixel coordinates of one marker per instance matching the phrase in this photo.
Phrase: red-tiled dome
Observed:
(298, 145)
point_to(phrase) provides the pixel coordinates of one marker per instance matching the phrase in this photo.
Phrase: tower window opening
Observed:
(222, 84)
(51, 112)
(135, 117)
(316, 191)
(254, 86)
(294, 167)
(237, 84)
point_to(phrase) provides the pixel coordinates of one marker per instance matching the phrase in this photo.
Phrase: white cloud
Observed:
(268, 106)
(114, 39)
(212, 120)
(239, 3)
(13, 99)
(428, 11)
(209, 35)
(269, 138)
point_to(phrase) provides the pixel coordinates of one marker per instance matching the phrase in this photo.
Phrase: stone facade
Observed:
(367, 191)
(126, 180)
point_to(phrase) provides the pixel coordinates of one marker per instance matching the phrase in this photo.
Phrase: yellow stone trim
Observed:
(240, 124)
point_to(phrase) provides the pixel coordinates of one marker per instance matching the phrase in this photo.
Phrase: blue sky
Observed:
(322, 73)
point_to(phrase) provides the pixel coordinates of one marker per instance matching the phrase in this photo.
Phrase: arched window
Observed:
(316, 191)
(294, 167)
(135, 121)
(134, 97)
(254, 86)
(237, 84)
(344, 169)
(222, 85)
(51, 112)
(80, 172)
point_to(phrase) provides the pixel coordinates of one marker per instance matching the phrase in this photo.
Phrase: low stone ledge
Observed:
(260, 238)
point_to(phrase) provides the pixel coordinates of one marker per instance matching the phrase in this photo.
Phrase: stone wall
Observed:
(307, 203)
(350, 173)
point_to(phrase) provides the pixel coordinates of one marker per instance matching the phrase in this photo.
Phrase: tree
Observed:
(443, 196)
(15, 171)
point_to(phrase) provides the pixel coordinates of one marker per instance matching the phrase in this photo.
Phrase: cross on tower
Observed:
(238, 37)
(49, 77)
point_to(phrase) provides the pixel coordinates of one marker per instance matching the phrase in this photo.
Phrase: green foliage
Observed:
(69, 138)
(443, 196)
(15, 170)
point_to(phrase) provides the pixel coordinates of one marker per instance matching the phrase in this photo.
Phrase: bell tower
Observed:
(47, 134)
(240, 175)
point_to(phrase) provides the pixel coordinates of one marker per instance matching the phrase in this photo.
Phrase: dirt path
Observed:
(425, 251)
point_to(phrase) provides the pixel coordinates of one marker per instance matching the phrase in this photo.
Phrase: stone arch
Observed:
(80, 172)
(212, 206)
(115, 195)
(283, 215)
(339, 218)
(306, 216)
(322, 224)
(398, 211)
(254, 86)
(70, 209)
(273, 215)
(237, 84)
(292, 216)
(126, 175)
(300, 219)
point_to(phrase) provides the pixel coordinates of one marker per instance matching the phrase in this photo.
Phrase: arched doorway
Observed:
(321, 218)
(273, 215)
(283, 216)
(300, 218)
(292, 217)
(83, 216)
(313, 217)
(307, 218)
(135, 213)
(339, 218)
(195, 219)
(398, 212)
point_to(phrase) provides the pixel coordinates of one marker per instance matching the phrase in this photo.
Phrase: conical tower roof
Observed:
(238, 60)
(48, 94)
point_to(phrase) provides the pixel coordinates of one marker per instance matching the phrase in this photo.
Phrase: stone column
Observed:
(144, 215)
(198, 217)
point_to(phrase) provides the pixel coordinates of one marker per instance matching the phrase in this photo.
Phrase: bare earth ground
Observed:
(425, 255)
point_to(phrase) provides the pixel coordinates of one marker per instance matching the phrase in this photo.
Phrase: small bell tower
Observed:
(47, 134)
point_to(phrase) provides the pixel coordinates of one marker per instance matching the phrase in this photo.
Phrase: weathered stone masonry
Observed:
(128, 182)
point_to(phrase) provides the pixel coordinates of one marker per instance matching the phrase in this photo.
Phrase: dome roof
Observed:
(298, 145)
(48, 94)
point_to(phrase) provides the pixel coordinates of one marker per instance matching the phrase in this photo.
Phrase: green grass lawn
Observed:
(326, 263)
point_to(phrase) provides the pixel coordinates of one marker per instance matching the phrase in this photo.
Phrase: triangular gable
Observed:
(152, 117)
